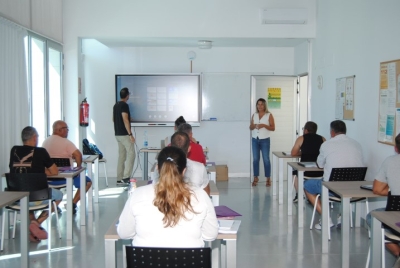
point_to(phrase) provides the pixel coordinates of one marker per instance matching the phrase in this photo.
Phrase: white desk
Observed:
(90, 160)
(389, 218)
(7, 198)
(69, 176)
(226, 251)
(345, 190)
(300, 183)
(212, 173)
(277, 165)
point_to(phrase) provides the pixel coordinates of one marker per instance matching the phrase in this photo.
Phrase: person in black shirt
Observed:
(307, 146)
(29, 158)
(124, 137)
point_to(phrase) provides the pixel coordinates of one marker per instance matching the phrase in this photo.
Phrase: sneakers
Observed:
(295, 199)
(318, 226)
(74, 209)
(59, 211)
(123, 182)
(339, 222)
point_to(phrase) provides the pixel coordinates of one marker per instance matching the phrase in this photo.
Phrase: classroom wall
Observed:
(228, 140)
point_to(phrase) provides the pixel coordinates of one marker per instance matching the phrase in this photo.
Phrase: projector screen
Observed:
(159, 99)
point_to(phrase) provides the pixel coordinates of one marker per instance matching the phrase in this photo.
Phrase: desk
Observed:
(277, 159)
(227, 252)
(345, 190)
(89, 160)
(146, 152)
(212, 173)
(300, 180)
(7, 198)
(69, 176)
(389, 218)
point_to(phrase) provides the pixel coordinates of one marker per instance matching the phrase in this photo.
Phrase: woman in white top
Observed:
(169, 213)
(262, 122)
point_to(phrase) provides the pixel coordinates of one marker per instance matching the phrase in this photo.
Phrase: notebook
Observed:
(225, 224)
(286, 153)
(366, 187)
(225, 212)
(308, 164)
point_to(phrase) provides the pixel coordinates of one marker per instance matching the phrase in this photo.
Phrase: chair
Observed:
(144, 257)
(344, 174)
(104, 161)
(60, 162)
(392, 204)
(36, 185)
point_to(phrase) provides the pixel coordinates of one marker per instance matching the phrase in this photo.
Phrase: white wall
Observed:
(228, 141)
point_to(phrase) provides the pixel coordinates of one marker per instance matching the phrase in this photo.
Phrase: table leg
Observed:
(274, 173)
(376, 243)
(357, 217)
(300, 199)
(280, 170)
(289, 190)
(215, 200)
(145, 165)
(69, 208)
(345, 232)
(24, 232)
(215, 253)
(96, 180)
(110, 253)
(230, 253)
(83, 197)
(325, 218)
(89, 166)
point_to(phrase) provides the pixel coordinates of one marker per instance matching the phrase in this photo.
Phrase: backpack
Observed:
(91, 149)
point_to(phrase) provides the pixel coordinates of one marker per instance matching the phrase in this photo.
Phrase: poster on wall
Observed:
(274, 97)
(344, 102)
(389, 102)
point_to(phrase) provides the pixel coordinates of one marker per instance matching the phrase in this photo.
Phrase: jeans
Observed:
(263, 146)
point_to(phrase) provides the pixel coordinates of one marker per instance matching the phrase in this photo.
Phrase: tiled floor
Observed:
(267, 236)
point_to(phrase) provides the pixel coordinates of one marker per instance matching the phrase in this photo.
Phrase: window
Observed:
(44, 59)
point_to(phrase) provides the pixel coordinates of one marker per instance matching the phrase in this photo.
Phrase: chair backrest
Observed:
(348, 174)
(34, 183)
(141, 257)
(62, 162)
(393, 202)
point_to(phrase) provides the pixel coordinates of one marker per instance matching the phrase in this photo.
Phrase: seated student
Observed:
(169, 213)
(32, 159)
(196, 150)
(307, 146)
(388, 178)
(59, 146)
(179, 121)
(196, 173)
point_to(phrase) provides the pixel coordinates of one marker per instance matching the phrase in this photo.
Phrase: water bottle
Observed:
(145, 140)
(132, 185)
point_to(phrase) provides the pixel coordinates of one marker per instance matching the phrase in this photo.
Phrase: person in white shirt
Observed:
(169, 213)
(339, 151)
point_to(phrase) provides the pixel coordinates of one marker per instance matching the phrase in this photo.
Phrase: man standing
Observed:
(339, 151)
(307, 147)
(32, 159)
(124, 137)
(59, 146)
(196, 151)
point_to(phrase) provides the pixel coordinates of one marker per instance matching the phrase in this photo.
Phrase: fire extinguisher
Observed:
(84, 114)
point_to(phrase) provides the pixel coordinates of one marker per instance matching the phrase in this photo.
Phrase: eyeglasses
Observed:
(61, 128)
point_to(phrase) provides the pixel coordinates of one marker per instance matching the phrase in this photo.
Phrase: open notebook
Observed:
(308, 164)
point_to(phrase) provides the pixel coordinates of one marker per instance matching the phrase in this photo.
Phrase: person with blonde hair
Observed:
(169, 213)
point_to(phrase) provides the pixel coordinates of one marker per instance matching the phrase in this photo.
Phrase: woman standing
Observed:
(262, 122)
(169, 213)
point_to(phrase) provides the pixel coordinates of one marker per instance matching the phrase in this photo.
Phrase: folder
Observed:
(225, 212)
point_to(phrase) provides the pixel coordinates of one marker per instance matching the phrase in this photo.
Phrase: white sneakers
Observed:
(318, 226)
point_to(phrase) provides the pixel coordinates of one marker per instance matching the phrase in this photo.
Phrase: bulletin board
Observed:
(389, 102)
(345, 98)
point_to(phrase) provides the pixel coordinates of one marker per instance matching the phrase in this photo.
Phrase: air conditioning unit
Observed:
(283, 15)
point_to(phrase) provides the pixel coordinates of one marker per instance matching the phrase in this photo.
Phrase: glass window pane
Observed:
(37, 50)
(54, 104)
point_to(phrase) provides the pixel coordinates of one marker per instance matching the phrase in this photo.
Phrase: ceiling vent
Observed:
(283, 15)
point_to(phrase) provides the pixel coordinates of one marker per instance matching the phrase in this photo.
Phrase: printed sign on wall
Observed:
(274, 97)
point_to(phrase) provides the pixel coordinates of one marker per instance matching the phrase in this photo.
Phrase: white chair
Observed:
(104, 162)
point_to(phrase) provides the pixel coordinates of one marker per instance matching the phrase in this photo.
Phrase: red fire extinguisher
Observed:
(84, 114)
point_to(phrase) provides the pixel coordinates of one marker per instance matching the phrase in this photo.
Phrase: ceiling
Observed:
(192, 42)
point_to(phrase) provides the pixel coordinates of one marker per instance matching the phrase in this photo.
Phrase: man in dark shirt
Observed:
(124, 137)
(32, 159)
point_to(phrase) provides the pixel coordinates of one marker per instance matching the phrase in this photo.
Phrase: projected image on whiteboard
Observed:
(161, 98)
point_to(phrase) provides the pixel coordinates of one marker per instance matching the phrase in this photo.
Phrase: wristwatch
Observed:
(130, 134)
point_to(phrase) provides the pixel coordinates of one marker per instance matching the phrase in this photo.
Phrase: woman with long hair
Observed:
(261, 123)
(169, 213)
